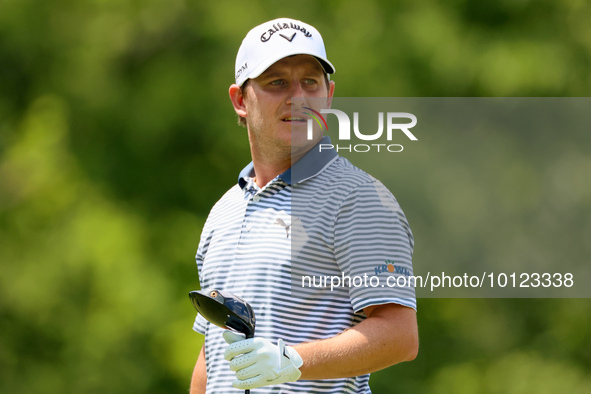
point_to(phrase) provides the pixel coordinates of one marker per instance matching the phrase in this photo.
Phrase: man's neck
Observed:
(266, 170)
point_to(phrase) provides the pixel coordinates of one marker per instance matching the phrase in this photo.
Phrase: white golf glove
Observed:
(257, 362)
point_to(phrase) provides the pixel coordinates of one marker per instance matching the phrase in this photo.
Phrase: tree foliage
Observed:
(117, 136)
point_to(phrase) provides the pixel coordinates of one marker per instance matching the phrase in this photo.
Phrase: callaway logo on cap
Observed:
(272, 41)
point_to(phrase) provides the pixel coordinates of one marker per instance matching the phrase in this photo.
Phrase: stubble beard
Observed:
(267, 150)
(272, 150)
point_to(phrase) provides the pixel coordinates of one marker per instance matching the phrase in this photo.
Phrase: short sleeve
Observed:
(200, 324)
(374, 247)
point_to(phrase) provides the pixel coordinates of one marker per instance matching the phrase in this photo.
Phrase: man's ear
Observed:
(237, 100)
(330, 94)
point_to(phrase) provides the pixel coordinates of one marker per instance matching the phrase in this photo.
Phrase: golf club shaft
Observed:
(248, 335)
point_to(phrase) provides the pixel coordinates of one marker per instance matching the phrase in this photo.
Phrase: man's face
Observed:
(274, 104)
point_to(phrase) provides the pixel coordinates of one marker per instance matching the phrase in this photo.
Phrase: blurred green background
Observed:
(117, 136)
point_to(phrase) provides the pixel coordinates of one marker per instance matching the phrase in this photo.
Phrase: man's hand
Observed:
(257, 362)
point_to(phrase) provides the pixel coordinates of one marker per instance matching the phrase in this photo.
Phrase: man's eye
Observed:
(277, 82)
(310, 81)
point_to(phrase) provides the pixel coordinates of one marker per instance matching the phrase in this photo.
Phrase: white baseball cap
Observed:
(272, 41)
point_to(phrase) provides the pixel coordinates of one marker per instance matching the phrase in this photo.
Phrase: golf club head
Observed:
(224, 310)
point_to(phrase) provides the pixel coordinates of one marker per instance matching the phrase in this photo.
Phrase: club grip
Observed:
(248, 336)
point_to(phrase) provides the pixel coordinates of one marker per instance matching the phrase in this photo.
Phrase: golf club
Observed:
(225, 310)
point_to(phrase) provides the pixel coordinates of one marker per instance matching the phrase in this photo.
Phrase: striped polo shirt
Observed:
(282, 249)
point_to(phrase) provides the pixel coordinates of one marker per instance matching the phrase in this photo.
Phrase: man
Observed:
(298, 211)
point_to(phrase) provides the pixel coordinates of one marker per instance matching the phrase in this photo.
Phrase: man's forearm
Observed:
(199, 379)
(388, 336)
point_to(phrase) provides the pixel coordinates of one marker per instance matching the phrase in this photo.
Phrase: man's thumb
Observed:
(230, 337)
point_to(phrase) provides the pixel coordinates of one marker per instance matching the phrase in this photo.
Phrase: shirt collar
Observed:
(311, 164)
(247, 172)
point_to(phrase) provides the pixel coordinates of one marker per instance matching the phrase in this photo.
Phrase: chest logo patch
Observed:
(287, 227)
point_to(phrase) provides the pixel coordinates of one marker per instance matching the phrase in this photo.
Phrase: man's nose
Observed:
(296, 94)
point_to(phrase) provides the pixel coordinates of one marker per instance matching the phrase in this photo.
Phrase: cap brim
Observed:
(263, 66)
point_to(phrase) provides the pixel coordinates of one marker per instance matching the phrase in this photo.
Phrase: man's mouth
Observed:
(294, 119)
